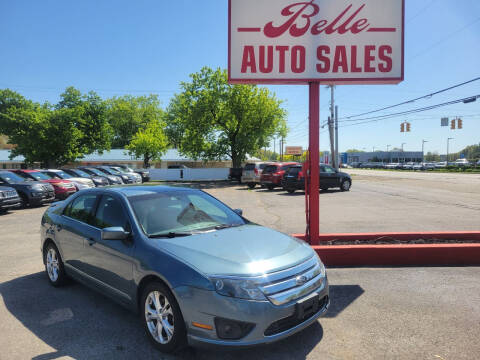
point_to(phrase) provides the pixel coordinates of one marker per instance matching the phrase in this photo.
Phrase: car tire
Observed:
(290, 191)
(54, 266)
(345, 186)
(24, 201)
(251, 185)
(157, 297)
(270, 187)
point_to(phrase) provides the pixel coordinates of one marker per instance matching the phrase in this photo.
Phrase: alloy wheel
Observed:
(52, 264)
(159, 317)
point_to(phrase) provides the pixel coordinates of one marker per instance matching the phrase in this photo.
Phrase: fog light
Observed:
(232, 329)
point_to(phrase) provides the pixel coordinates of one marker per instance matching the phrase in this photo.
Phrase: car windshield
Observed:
(112, 171)
(161, 214)
(80, 173)
(63, 174)
(39, 175)
(97, 172)
(11, 177)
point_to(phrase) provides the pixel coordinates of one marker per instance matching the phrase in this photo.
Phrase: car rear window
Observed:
(262, 166)
(270, 169)
(249, 166)
(294, 170)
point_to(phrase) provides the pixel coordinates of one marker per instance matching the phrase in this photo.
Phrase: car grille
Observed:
(288, 285)
(10, 194)
(293, 320)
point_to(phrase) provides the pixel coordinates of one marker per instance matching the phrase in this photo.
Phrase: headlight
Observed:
(237, 288)
(124, 177)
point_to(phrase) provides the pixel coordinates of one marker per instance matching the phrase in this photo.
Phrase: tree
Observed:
(354, 151)
(54, 135)
(211, 119)
(128, 114)
(149, 143)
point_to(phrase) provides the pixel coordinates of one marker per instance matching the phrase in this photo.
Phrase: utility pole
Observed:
(403, 153)
(274, 145)
(423, 147)
(337, 157)
(330, 124)
(389, 155)
(448, 145)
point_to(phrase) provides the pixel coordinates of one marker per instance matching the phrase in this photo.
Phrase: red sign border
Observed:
(330, 81)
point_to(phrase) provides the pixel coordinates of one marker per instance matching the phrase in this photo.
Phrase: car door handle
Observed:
(90, 241)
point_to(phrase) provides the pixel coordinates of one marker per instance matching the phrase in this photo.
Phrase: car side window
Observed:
(329, 170)
(322, 168)
(82, 208)
(110, 213)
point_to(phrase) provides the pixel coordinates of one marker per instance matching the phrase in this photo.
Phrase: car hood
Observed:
(344, 174)
(242, 251)
(81, 180)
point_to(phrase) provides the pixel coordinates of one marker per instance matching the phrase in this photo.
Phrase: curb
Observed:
(400, 254)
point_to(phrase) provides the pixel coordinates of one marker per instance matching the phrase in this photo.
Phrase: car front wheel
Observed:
(54, 266)
(162, 318)
(346, 185)
(251, 185)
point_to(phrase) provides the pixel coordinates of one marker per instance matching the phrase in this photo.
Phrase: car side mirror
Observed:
(114, 233)
(238, 211)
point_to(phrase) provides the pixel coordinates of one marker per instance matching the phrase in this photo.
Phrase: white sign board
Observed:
(326, 41)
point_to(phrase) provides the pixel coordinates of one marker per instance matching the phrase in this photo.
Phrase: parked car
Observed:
(272, 175)
(63, 188)
(462, 162)
(32, 193)
(329, 178)
(136, 178)
(441, 164)
(226, 282)
(252, 172)
(97, 180)
(235, 174)
(79, 182)
(9, 199)
(408, 166)
(145, 174)
(126, 178)
(112, 179)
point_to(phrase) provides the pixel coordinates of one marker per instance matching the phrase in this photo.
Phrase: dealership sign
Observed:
(293, 150)
(326, 41)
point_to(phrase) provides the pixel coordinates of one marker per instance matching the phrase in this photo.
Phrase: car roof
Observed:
(133, 190)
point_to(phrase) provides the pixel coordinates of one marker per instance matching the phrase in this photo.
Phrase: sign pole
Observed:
(312, 192)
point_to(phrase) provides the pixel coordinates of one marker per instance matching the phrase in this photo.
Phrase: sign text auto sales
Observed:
(331, 41)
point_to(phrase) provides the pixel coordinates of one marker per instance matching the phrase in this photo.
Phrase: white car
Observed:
(80, 183)
(252, 172)
(462, 162)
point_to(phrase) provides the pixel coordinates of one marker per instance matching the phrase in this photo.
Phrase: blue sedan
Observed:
(195, 270)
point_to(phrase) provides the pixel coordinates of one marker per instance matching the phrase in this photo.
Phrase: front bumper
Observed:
(203, 306)
(44, 197)
(9, 203)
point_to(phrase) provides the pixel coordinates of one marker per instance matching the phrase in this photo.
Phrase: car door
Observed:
(326, 180)
(74, 227)
(332, 176)
(110, 262)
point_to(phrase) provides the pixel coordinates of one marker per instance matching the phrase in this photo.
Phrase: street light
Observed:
(403, 153)
(423, 156)
(448, 144)
(389, 155)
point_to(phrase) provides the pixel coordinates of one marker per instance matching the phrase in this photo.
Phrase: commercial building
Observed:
(384, 156)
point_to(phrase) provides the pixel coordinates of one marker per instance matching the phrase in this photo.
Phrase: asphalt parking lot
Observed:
(376, 313)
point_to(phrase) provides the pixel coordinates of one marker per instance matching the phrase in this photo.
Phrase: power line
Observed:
(413, 100)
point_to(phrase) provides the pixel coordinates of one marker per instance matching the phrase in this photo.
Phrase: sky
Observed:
(141, 47)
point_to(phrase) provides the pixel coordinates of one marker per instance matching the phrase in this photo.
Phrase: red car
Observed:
(63, 188)
(273, 174)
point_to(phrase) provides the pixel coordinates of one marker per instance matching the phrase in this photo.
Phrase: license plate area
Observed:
(308, 306)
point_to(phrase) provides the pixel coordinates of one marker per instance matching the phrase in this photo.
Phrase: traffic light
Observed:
(459, 123)
(408, 127)
(402, 127)
(452, 124)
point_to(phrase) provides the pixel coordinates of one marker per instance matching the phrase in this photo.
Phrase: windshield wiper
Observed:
(171, 234)
(226, 226)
